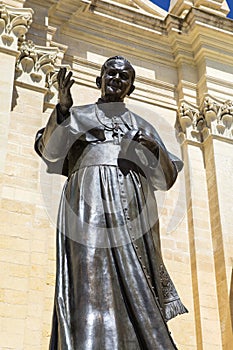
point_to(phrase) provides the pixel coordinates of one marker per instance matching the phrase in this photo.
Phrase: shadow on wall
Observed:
(15, 96)
(231, 299)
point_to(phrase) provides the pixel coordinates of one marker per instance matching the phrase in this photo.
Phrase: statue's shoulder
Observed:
(143, 124)
(83, 117)
(83, 109)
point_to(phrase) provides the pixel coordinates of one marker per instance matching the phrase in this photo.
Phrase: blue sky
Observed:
(165, 4)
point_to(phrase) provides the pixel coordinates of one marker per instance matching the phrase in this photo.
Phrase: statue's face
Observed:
(116, 81)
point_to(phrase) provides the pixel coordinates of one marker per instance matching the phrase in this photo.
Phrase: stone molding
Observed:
(90, 21)
(213, 117)
(14, 24)
(181, 7)
(217, 7)
(34, 64)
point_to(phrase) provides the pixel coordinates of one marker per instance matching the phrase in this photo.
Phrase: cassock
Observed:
(113, 291)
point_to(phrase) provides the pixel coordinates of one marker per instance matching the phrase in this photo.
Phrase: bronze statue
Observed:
(113, 291)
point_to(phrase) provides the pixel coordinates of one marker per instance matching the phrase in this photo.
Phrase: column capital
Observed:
(34, 64)
(213, 117)
(14, 24)
(187, 120)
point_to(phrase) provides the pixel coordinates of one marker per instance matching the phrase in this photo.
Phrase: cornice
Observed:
(170, 40)
(200, 35)
(116, 14)
(84, 25)
(200, 17)
(67, 13)
(196, 18)
(31, 87)
(212, 47)
(222, 86)
(119, 11)
(108, 11)
(64, 10)
(182, 7)
(123, 39)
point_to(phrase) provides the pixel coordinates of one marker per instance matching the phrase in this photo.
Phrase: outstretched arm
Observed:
(52, 142)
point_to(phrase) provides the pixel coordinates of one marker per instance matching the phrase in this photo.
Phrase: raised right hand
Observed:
(64, 85)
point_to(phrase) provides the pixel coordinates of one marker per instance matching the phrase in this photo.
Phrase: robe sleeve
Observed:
(63, 139)
(52, 142)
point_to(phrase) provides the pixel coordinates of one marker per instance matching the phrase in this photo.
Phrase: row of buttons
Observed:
(132, 237)
(128, 222)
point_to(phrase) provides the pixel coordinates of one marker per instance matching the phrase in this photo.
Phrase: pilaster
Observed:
(14, 24)
(34, 67)
(186, 68)
(206, 136)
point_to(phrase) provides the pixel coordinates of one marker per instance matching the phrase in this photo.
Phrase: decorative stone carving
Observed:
(218, 116)
(51, 85)
(188, 121)
(187, 116)
(213, 117)
(210, 110)
(226, 114)
(35, 63)
(14, 24)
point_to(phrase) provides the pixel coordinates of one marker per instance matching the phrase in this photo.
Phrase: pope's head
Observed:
(116, 79)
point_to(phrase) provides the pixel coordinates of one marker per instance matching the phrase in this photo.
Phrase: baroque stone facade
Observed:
(184, 67)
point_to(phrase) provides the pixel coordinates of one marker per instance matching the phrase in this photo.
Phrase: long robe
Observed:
(113, 291)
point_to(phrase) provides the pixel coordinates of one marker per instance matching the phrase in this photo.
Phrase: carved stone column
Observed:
(14, 24)
(218, 157)
(206, 136)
